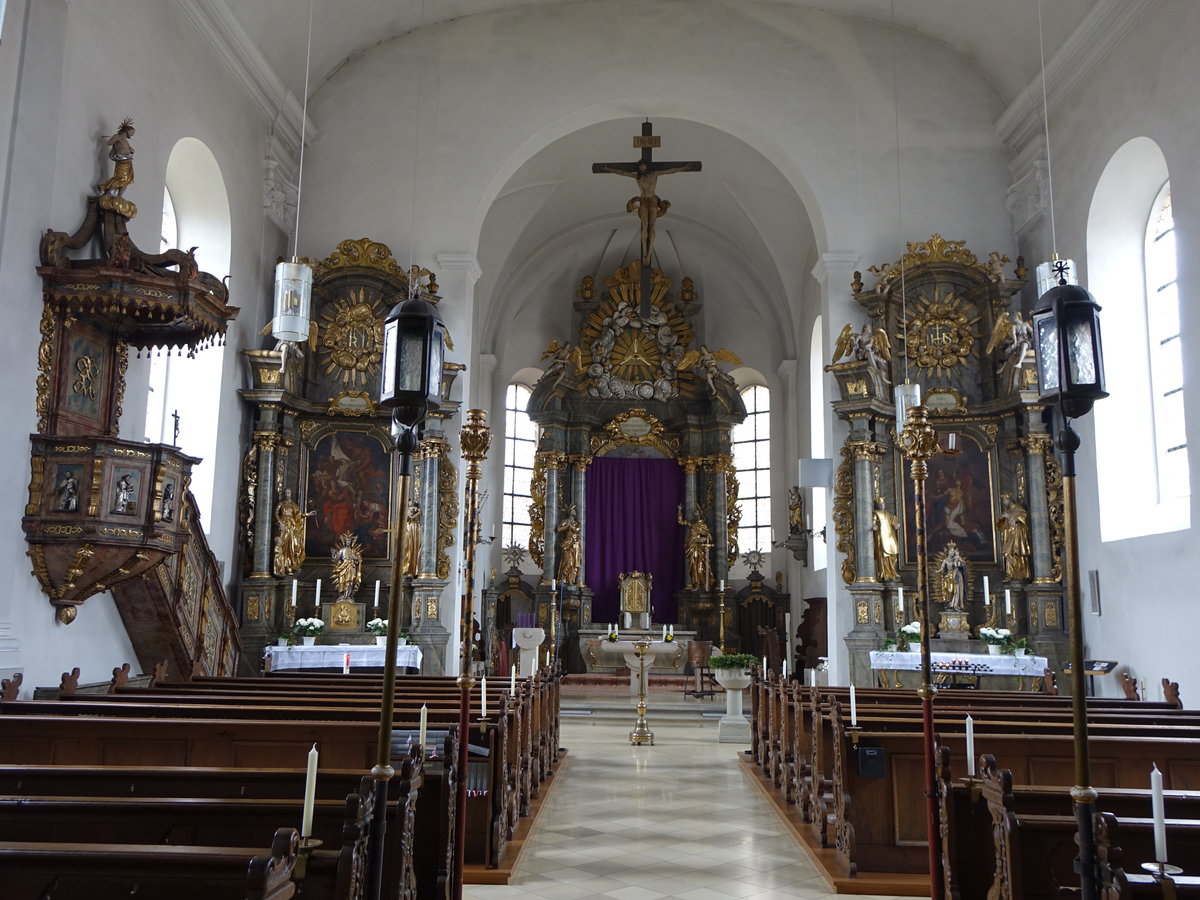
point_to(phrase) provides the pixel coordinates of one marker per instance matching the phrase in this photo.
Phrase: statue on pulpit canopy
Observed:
(695, 550)
(569, 549)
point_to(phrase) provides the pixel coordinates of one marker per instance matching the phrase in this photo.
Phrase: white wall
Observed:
(71, 89)
(1145, 87)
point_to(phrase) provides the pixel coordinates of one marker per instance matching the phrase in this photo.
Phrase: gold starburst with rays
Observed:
(940, 332)
(352, 337)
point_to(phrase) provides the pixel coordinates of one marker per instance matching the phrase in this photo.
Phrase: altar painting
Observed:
(958, 504)
(348, 490)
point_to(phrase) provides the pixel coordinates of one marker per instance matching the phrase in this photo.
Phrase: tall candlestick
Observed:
(970, 746)
(853, 707)
(483, 696)
(1007, 602)
(377, 593)
(1160, 819)
(293, 592)
(317, 601)
(900, 602)
(424, 727)
(512, 681)
(310, 793)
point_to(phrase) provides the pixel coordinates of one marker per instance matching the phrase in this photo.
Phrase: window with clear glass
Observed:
(752, 458)
(1166, 355)
(520, 446)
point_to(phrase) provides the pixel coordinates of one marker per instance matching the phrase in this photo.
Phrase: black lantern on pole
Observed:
(1070, 363)
(409, 385)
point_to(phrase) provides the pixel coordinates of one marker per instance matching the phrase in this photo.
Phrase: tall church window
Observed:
(1166, 356)
(752, 458)
(156, 413)
(520, 446)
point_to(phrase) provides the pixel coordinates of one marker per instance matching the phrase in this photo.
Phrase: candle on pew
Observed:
(1160, 820)
(293, 592)
(970, 746)
(483, 696)
(512, 682)
(785, 670)
(787, 626)
(376, 593)
(1007, 602)
(310, 793)
(346, 664)
(853, 708)
(424, 727)
(764, 665)
(812, 677)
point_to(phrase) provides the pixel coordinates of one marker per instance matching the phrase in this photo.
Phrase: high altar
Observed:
(633, 473)
(949, 322)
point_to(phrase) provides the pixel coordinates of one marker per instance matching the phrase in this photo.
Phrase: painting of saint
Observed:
(349, 482)
(958, 503)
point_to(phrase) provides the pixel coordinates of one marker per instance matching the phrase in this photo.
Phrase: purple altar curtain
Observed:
(631, 527)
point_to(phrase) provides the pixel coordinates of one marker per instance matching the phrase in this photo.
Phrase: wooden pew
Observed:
(30, 870)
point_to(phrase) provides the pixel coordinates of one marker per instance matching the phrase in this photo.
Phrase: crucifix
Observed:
(175, 438)
(649, 206)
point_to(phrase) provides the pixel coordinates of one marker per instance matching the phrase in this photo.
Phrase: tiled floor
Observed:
(678, 819)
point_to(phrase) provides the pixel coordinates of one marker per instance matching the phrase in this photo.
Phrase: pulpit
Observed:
(634, 588)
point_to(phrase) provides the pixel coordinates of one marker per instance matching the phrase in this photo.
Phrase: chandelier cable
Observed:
(303, 129)
(1046, 124)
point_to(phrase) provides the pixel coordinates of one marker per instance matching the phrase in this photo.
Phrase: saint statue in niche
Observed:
(125, 494)
(952, 578)
(347, 565)
(289, 540)
(412, 540)
(1013, 526)
(569, 549)
(68, 493)
(695, 550)
(887, 544)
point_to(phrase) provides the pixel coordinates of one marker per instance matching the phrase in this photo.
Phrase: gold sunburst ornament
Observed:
(939, 334)
(352, 338)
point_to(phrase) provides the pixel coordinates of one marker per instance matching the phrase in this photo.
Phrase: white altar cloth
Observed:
(629, 651)
(331, 656)
(966, 663)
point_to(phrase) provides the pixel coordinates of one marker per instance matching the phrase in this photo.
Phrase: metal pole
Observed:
(1082, 793)
(918, 443)
(406, 444)
(474, 440)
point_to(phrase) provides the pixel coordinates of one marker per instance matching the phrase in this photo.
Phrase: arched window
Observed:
(520, 446)
(752, 458)
(1141, 448)
(1166, 356)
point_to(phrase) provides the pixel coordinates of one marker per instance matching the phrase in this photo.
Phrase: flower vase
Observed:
(994, 649)
(281, 642)
(308, 639)
(1018, 651)
(381, 640)
(400, 642)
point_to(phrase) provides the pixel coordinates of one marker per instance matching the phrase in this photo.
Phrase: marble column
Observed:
(553, 461)
(689, 463)
(434, 450)
(266, 443)
(866, 455)
(579, 466)
(1042, 558)
(720, 531)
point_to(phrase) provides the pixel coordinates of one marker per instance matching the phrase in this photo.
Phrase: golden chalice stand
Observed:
(641, 733)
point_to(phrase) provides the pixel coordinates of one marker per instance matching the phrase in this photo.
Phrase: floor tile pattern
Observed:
(676, 820)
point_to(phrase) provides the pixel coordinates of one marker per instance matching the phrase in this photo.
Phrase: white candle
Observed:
(986, 589)
(671, 630)
(512, 681)
(900, 602)
(787, 626)
(853, 707)
(785, 670)
(987, 600)
(1160, 820)
(1007, 602)
(812, 677)
(616, 629)
(310, 793)
(377, 593)
(424, 726)
(553, 584)
(970, 746)
(483, 696)
(721, 586)
(317, 602)
(764, 665)
(346, 664)
(664, 637)
(293, 592)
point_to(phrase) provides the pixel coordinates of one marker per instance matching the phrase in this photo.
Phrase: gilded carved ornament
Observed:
(638, 428)
(1056, 512)
(862, 612)
(843, 515)
(351, 340)
(537, 511)
(447, 515)
(866, 451)
(45, 367)
(939, 332)
(1035, 444)
(936, 249)
(733, 515)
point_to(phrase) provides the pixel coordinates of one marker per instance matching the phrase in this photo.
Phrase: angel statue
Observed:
(872, 347)
(560, 357)
(705, 362)
(1012, 336)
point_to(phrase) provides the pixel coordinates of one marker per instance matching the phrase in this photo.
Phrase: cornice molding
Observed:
(250, 69)
(835, 262)
(1101, 29)
(460, 259)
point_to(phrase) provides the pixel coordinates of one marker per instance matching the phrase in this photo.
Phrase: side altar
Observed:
(941, 318)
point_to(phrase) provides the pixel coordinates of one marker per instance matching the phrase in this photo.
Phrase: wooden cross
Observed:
(649, 206)
(175, 439)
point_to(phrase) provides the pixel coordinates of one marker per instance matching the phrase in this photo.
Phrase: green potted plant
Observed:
(379, 628)
(1017, 646)
(995, 638)
(285, 639)
(889, 645)
(309, 630)
(403, 637)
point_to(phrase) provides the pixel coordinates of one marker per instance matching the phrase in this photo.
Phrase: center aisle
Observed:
(678, 819)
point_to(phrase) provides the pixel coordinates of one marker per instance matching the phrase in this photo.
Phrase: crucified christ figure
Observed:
(650, 207)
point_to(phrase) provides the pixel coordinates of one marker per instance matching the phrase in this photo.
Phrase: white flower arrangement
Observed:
(912, 631)
(998, 636)
(378, 627)
(309, 627)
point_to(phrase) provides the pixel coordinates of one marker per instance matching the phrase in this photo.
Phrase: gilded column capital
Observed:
(551, 459)
(270, 441)
(580, 462)
(721, 463)
(434, 446)
(869, 451)
(690, 464)
(1035, 444)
